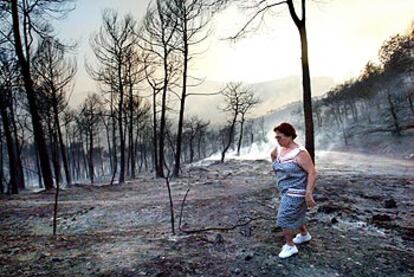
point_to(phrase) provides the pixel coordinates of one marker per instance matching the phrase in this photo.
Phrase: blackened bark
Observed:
(39, 174)
(410, 102)
(230, 138)
(54, 151)
(307, 96)
(28, 84)
(154, 135)
(85, 153)
(90, 156)
(19, 174)
(131, 135)
(62, 146)
(167, 181)
(55, 210)
(10, 148)
(306, 82)
(191, 149)
(200, 136)
(1, 164)
(344, 136)
(114, 148)
(108, 141)
(176, 170)
(394, 115)
(120, 126)
(240, 136)
(161, 158)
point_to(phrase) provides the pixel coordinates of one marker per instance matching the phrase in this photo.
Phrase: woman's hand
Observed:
(273, 155)
(310, 202)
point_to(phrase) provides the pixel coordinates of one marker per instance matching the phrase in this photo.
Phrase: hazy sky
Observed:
(342, 34)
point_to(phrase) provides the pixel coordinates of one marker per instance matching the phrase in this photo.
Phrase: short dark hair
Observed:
(287, 129)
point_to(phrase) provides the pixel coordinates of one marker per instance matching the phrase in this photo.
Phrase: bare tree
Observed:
(194, 128)
(7, 78)
(142, 119)
(88, 122)
(112, 46)
(135, 68)
(202, 131)
(259, 8)
(2, 179)
(69, 123)
(158, 40)
(33, 14)
(236, 98)
(156, 88)
(192, 18)
(55, 73)
(247, 103)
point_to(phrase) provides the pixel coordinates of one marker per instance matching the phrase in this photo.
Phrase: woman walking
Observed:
(296, 176)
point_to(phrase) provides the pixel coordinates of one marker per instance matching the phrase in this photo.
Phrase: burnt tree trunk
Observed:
(90, 156)
(39, 174)
(121, 130)
(230, 138)
(161, 156)
(240, 136)
(410, 102)
(394, 115)
(10, 149)
(154, 130)
(53, 151)
(131, 137)
(108, 141)
(191, 149)
(114, 148)
(306, 82)
(62, 147)
(55, 209)
(28, 84)
(1, 164)
(176, 170)
(19, 174)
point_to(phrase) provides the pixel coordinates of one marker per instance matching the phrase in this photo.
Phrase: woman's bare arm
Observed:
(273, 154)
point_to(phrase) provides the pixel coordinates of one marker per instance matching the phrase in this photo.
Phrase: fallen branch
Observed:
(225, 228)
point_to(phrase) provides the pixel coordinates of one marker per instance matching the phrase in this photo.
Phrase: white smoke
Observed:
(331, 162)
(257, 151)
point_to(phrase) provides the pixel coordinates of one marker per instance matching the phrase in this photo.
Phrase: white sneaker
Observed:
(288, 251)
(301, 239)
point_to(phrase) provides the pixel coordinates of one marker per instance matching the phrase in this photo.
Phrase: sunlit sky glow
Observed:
(343, 35)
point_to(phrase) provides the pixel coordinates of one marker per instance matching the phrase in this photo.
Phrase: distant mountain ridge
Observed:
(273, 94)
(346, 122)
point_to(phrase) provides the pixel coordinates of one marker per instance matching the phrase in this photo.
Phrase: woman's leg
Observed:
(289, 248)
(288, 236)
(303, 230)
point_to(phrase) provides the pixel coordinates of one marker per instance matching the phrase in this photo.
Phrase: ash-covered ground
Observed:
(363, 224)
